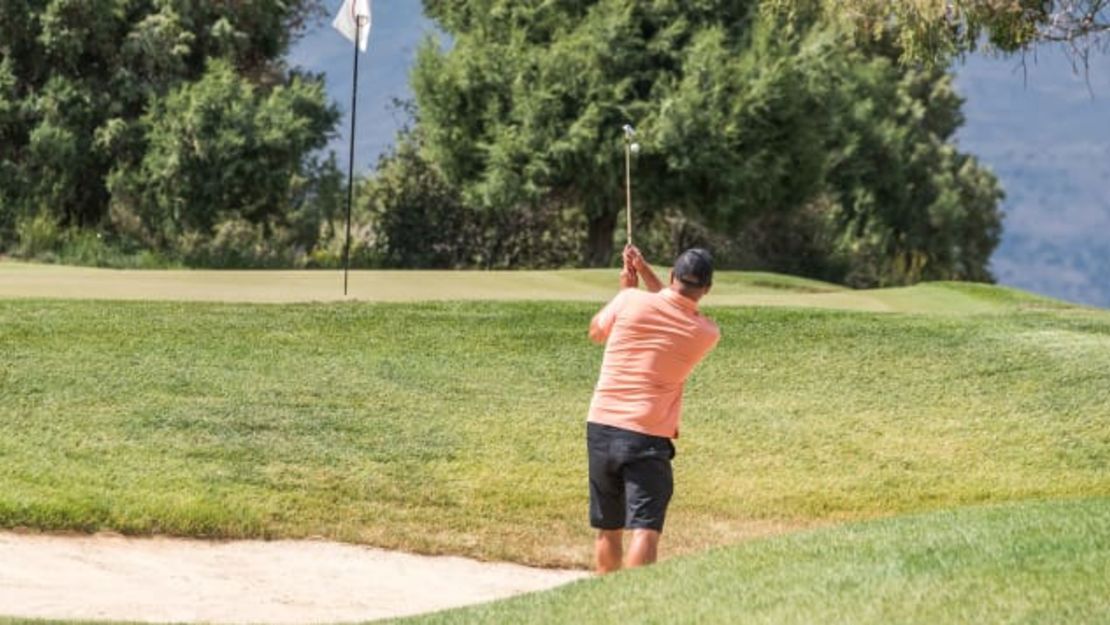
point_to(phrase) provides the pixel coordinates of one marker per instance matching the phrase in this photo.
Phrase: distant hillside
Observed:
(1045, 134)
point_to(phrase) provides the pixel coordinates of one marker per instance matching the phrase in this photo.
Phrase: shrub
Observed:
(38, 235)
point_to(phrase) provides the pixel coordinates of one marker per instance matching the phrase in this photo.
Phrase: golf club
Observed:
(630, 148)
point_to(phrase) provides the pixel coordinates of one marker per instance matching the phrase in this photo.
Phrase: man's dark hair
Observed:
(694, 268)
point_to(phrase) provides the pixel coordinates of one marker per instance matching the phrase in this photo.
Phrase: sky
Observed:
(397, 30)
(1041, 126)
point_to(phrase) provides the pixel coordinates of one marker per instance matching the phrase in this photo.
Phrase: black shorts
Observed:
(630, 478)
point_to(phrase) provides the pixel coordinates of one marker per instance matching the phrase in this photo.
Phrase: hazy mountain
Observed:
(1043, 129)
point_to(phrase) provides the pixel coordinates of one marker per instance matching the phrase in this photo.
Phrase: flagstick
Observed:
(351, 160)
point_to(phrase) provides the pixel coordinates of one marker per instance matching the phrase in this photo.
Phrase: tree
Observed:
(892, 201)
(745, 130)
(932, 31)
(906, 204)
(219, 149)
(528, 104)
(78, 76)
(750, 114)
(414, 218)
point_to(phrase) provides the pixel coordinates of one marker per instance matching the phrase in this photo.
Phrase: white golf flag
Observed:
(345, 21)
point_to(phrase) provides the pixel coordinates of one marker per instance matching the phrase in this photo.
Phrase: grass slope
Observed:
(457, 427)
(1032, 562)
(1029, 563)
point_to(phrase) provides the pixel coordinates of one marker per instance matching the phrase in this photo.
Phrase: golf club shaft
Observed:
(628, 188)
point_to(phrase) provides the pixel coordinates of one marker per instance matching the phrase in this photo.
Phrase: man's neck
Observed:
(682, 292)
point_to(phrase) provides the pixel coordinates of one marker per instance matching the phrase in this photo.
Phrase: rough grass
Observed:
(458, 427)
(1028, 563)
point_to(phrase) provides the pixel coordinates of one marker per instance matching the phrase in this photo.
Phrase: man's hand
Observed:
(635, 260)
(629, 277)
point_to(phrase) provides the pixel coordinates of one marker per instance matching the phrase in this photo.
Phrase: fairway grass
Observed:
(1035, 562)
(458, 427)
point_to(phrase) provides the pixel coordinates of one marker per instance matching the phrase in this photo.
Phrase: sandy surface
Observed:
(162, 579)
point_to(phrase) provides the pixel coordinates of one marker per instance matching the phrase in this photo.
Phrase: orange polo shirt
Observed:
(653, 342)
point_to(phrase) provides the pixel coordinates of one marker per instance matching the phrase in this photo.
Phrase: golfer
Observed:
(653, 339)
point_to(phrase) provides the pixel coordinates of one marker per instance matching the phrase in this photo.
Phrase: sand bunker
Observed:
(163, 579)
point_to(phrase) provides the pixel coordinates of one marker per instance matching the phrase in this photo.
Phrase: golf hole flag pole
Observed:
(353, 22)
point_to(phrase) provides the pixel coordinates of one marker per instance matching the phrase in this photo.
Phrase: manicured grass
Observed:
(59, 281)
(1029, 563)
(458, 427)
(731, 288)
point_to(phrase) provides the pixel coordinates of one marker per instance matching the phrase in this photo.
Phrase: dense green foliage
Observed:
(161, 132)
(904, 203)
(1037, 562)
(411, 216)
(457, 427)
(933, 31)
(216, 150)
(767, 135)
(166, 125)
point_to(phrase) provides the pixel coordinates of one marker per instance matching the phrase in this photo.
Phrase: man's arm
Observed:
(603, 321)
(600, 326)
(635, 259)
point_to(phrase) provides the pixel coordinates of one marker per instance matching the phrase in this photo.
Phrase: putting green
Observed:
(733, 288)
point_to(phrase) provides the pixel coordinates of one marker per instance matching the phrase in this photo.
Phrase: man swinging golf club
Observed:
(653, 339)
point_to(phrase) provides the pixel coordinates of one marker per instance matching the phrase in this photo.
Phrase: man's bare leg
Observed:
(643, 548)
(607, 551)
